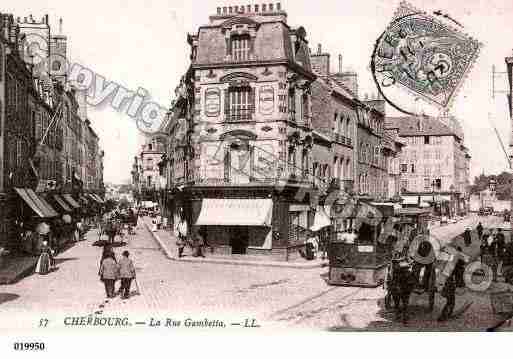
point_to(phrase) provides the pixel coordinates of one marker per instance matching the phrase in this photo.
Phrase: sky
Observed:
(143, 44)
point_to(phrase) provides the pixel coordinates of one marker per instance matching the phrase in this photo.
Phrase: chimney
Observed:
(320, 62)
(339, 63)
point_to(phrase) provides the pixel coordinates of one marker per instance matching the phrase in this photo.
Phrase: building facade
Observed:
(434, 164)
(148, 168)
(40, 130)
(240, 151)
(334, 114)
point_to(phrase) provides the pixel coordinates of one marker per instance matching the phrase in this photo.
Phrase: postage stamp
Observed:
(424, 56)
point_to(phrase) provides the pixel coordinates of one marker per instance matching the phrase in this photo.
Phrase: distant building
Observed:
(147, 168)
(434, 164)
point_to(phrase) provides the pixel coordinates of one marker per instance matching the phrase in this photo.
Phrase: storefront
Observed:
(33, 213)
(247, 221)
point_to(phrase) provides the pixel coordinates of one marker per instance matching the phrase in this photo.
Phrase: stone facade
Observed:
(41, 134)
(243, 127)
(434, 151)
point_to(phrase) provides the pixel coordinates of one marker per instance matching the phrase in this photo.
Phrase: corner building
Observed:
(239, 154)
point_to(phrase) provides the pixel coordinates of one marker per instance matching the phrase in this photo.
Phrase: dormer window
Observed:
(240, 47)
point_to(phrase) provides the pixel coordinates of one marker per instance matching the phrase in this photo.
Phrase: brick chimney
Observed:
(320, 62)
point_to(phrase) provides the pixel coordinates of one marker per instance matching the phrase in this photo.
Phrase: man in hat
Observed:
(467, 237)
(401, 285)
(479, 229)
(449, 293)
(126, 273)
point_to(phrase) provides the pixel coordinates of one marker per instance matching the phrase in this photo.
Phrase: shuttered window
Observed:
(239, 103)
(240, 48)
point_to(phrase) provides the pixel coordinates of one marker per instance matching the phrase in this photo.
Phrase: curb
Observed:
(160, 243)
(231, 261)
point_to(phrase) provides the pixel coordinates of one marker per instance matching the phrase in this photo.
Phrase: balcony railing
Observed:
(343, 140)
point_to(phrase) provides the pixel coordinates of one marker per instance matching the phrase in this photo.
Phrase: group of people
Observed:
(495, 252)
(112, 270)
(197, 243)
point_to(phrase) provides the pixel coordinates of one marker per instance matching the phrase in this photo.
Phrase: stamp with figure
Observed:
(428, 58)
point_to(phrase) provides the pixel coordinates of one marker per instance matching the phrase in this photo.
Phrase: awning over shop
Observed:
(410, 199)
(84, 199)
(235, 212)
(61, 203)
(37, 204)
(71, 201)
(321, 220)
(96, 198)
(41, 202)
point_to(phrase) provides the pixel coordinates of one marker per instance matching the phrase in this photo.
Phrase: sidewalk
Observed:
(13, 269)
(167, 242)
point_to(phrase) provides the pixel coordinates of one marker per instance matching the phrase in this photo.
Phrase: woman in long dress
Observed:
(44, 263)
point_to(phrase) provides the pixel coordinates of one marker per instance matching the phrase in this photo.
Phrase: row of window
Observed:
(426, 154)
(424, 140)
(371, 185)
(342, 168)
(371, 155)
(341, 125)
(427, 168)
(428, 184)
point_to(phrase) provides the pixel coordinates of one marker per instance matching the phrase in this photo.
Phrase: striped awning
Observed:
(71, 201)
(410, 199)
(42, 208)
(235, 212)
(61, 203)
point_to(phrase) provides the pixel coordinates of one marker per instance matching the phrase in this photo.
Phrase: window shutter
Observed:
(227, 165)
(228, 46)
(252, 99)
(226, 102)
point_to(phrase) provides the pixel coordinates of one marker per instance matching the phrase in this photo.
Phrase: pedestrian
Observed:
(199, 243)
(45, 262)
(154, 225)
(109, 273)
(449, 293)
(111, 230)
(126, 273)
(402, 283)
(459, 270)
(181, 236)
(311, 246)
(479, 230)
(467, 237)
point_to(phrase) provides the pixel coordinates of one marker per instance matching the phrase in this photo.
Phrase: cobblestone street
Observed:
(174, 289)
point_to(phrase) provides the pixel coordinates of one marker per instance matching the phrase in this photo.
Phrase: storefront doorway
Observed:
(239, 239)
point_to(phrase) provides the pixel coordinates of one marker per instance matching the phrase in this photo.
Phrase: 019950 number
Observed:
(29, 346)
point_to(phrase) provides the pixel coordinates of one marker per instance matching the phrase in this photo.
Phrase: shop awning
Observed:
(84, 199)
(92, 198)
(61, 203)
(71, 201)
(235, 212)
(321, 220)
(98, 198)
(37, 204)
(410, 200)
